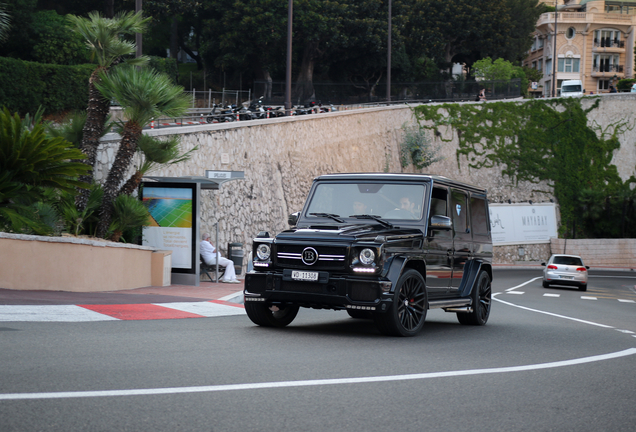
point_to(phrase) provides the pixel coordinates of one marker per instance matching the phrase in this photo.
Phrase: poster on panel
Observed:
(170, 224)
(522, 223)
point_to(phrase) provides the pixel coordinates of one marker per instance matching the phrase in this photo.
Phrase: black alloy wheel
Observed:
(266, 315)
(482, 300)
(407, 314)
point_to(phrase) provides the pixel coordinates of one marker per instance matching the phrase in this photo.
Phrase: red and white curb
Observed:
(120, 312)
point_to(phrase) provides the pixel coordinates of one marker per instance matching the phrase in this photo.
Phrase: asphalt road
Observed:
(564, 362)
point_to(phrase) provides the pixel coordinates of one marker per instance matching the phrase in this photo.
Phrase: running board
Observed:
(448, 304)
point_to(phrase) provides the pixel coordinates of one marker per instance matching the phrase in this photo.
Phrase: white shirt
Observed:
(208, 251)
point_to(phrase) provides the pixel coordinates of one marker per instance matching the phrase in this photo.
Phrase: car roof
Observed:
(565, 255)
(385, 177)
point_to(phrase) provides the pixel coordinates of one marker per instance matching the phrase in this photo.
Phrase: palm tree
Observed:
(153, 152)
(103, 37)
(5, 22)
(143, 95)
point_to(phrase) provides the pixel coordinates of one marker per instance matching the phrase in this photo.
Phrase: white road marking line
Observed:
(206, 309)
(50, 313)
(626, 301)
(625, 331)
(514, 292)
(551, 314)
(232, 296)
(588, 298)
(525, 283)
(318, 382)
(551, 295)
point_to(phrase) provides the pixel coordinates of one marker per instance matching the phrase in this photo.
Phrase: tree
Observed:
(152, 153)
(5, 22)
(104, 39)
(143, 94)
(464, 31)
(499, 70)
(30, 164)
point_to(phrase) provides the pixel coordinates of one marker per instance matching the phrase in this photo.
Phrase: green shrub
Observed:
(165, 65)
(625, 84)
(26, 86)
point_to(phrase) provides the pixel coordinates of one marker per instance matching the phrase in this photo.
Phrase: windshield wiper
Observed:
(374, 217)
(328, 215)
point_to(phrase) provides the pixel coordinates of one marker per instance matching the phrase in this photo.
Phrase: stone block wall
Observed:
(280, 158)
(599, 252)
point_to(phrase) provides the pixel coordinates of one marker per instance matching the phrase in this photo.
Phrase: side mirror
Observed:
(441, 222)
(292, 219)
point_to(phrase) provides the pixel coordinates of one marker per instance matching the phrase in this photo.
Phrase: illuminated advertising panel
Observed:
(170, 225)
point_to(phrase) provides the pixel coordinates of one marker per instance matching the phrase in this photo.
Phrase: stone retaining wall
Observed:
(599, 252)
(280, 157)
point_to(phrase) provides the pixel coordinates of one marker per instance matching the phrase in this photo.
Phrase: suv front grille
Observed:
(329, 257)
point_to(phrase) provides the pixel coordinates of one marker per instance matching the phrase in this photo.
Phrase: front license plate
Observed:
(304, 275)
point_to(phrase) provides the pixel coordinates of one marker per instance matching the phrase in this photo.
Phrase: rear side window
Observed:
(459, 210)
(479, 216)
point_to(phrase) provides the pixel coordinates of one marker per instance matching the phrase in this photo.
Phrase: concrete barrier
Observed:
(30, 262)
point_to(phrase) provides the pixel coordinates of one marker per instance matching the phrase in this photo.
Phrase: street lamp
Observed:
(288, 72)
(554, 56)
(388, 61)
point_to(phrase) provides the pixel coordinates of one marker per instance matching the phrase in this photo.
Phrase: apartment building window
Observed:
(540, 65)
(608, 38)
(548, 67)
(606, 63)
(603, 84)
(568, 65)
(540, 42)
(534, 65)
(570, 33)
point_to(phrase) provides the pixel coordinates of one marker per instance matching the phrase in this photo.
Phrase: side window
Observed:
(479, 216)
(459, 211)
(438, 202)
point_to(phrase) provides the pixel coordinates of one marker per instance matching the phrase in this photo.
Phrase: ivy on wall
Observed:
(538, 140)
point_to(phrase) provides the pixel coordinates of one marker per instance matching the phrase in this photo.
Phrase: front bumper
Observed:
(329, 292)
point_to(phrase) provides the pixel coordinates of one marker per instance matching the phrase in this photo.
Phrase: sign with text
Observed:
(522, 223)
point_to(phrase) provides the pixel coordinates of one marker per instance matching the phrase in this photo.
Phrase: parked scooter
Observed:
(220, 114)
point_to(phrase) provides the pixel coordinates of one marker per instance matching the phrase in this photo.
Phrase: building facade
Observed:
(594, 44)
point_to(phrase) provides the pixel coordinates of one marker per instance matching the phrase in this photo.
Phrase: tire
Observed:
(360, 314)
(546, 285)
(262, 315)
(482, 300)
(407, 314)
(209, 119)
(583, 287)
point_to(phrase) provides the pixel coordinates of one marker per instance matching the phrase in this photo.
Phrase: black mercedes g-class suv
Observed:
(382, 246)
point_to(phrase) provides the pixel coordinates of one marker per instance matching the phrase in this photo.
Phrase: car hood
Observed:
(348, 232)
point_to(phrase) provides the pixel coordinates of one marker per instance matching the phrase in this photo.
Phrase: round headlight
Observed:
(367, 256)
(263, 251)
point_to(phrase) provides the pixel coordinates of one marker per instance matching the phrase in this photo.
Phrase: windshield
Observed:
(571, 88)
(388, 201)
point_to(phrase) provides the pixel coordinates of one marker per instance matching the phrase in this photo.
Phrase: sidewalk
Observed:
(172, 302)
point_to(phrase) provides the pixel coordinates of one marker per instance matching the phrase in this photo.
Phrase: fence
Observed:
(364, 93)
(207, 99)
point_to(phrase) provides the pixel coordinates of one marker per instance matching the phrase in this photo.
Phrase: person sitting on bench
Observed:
(208, 253)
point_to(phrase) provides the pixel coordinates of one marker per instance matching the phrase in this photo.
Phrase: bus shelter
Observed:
(174, 223)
